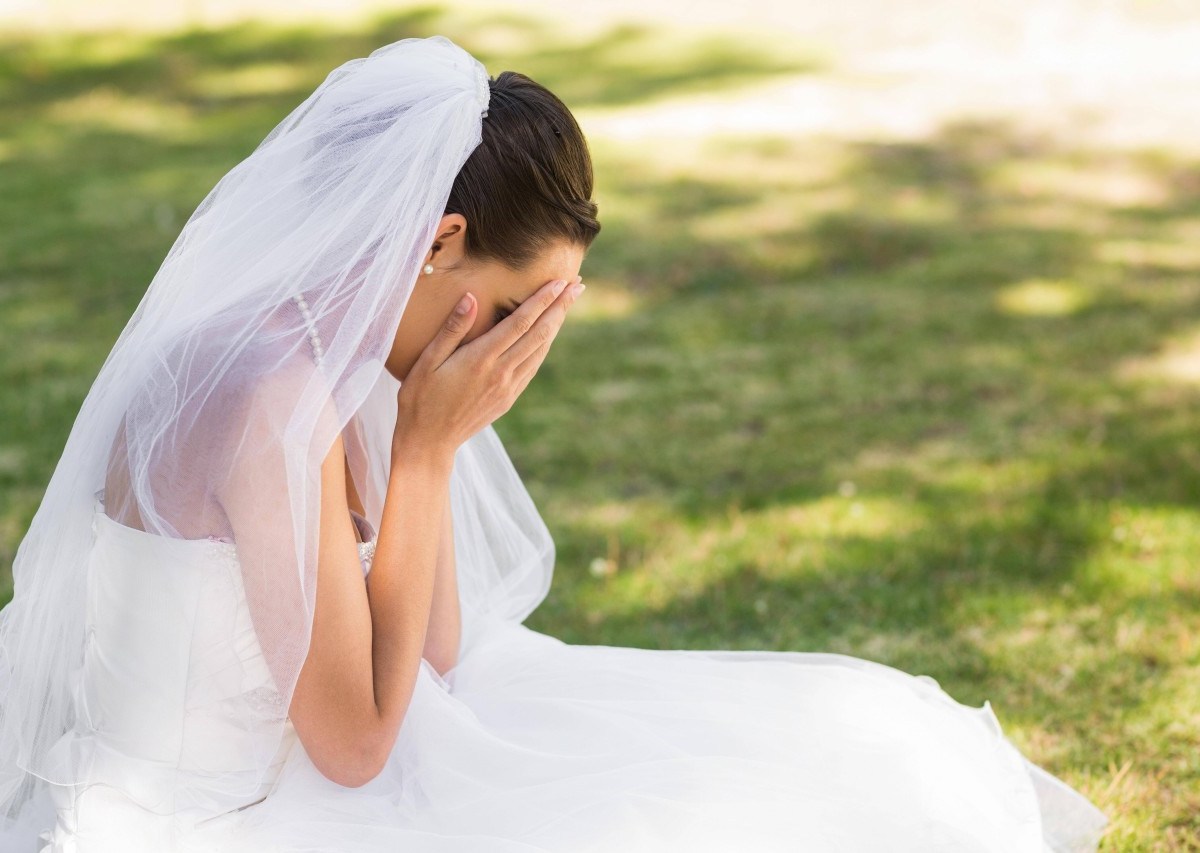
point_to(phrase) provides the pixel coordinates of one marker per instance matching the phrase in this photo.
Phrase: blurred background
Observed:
(891, 346)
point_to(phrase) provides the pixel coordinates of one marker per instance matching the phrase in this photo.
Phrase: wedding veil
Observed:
(214, 388)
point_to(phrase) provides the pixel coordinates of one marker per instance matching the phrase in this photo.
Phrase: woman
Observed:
(272, 598)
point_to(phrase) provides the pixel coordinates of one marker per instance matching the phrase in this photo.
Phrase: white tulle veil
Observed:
(213, 385)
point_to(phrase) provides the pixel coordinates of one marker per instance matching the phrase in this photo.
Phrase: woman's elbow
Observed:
(356, 771)
(443, 659)
(442, 666)
(349, 771)
(356, 765)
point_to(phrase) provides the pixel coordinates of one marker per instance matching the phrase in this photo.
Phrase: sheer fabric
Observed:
(213, 394)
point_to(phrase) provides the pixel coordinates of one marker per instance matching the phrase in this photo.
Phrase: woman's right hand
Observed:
(450, 394)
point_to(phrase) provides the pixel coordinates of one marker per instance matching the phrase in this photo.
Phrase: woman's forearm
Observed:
(401, 581)
(445, 616)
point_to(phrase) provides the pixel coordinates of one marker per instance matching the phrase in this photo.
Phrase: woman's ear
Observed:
(449, 247)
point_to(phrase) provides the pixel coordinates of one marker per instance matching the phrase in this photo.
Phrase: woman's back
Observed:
(174, 699)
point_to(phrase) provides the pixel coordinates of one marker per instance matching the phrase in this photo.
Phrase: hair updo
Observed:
(528, 183)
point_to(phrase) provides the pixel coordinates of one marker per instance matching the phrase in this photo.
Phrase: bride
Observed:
(272, 599)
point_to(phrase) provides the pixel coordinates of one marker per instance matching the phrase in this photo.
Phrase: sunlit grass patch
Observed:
(263, 78)
(673, 559)
(1177, 361)
(108, 109)
(1182, 254)
(1085, 179)
(1043, 298)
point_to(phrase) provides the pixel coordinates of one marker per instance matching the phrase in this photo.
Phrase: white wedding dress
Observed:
(529, 743)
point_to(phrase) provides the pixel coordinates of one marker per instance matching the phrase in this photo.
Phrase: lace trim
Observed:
(366, 550)
(267, 701)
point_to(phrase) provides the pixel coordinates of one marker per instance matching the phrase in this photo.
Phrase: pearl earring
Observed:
(428, 269)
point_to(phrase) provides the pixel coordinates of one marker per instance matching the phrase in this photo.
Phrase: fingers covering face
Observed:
(533, 325)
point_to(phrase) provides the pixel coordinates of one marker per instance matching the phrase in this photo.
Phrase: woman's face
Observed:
(496, 288)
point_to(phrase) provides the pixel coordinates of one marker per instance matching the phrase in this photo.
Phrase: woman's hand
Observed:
(450, 394)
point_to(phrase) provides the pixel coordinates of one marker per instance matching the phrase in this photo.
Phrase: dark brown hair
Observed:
(529, 181)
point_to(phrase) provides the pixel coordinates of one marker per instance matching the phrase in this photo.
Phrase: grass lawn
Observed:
(933, 402)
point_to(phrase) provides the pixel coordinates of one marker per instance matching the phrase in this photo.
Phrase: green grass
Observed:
(929, 403)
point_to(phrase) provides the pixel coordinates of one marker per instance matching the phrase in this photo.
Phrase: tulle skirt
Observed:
(532, 744)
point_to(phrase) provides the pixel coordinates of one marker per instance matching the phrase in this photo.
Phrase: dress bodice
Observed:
(176, 708)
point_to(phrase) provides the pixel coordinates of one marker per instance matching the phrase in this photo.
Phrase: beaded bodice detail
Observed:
(366, 546)
(228, 552)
